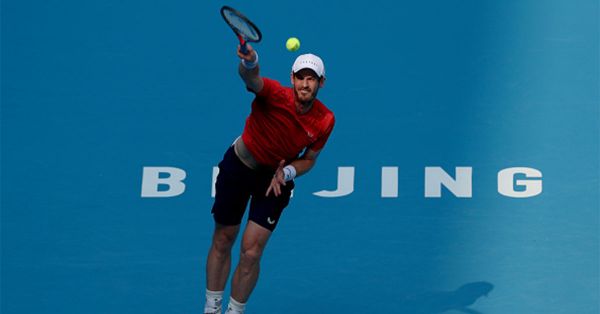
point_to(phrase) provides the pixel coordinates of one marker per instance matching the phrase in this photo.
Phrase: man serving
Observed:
(283, 136)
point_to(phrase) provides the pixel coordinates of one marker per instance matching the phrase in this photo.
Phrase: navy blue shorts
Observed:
(237, 184)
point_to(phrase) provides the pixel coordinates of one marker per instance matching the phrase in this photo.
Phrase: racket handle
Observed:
(244, 48)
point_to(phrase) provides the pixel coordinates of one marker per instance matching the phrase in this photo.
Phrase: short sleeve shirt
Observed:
(275, 131)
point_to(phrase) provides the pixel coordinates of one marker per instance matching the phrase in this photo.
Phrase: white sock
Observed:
(235, 307)
(214, 299)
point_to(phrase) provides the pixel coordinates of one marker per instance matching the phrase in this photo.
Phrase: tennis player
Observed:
(284, 133)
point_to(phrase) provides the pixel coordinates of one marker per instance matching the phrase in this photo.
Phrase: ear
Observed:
(292, 78)
(321, 82)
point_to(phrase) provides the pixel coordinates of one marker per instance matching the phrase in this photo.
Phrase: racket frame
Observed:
(239, 34)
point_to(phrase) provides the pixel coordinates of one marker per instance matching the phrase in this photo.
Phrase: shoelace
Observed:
(216, 311)
(213, 309)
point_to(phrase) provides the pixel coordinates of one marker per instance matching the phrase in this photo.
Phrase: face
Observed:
(306, 85)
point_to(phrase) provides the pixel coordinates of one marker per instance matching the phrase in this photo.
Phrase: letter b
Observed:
(152, 180)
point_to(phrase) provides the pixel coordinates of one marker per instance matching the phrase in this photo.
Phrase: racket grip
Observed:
(244, 48)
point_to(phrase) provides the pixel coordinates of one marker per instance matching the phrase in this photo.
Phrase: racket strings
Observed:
(241, 25)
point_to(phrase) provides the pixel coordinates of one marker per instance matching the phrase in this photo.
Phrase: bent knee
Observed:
(223, 241)
(250, 256)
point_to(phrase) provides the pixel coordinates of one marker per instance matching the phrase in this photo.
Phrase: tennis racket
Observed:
(243, 28)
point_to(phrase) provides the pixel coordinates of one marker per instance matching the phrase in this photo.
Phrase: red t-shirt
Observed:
(274, 131)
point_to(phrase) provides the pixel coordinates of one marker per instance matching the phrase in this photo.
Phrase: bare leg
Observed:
(246, 274)
(218, 263)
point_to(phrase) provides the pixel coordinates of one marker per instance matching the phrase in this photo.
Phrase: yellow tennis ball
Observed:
(292, 44)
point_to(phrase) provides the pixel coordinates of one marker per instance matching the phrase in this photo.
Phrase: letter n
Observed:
(435, 177)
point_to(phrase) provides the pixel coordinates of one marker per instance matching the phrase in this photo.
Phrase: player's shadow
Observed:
(442, 301)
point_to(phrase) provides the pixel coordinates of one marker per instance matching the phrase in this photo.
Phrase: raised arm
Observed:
(248, 69)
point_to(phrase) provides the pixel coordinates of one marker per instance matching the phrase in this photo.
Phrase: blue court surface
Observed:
(466, 148)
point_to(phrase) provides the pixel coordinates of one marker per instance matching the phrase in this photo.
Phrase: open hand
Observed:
(277, 180)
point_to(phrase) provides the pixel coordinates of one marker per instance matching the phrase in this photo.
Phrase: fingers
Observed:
(279, 173)
(277, 181)
(275, 187)
(250, 56)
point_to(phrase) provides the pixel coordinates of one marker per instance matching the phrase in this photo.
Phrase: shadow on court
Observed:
(442, 301)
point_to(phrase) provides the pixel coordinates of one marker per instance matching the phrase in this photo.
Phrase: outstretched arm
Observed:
(301, 166)
(248, 69)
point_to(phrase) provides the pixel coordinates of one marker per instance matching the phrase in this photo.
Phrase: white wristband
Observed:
(289, 173)
(250, 65)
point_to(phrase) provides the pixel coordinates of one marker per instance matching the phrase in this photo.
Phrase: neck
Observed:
(302, 108)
